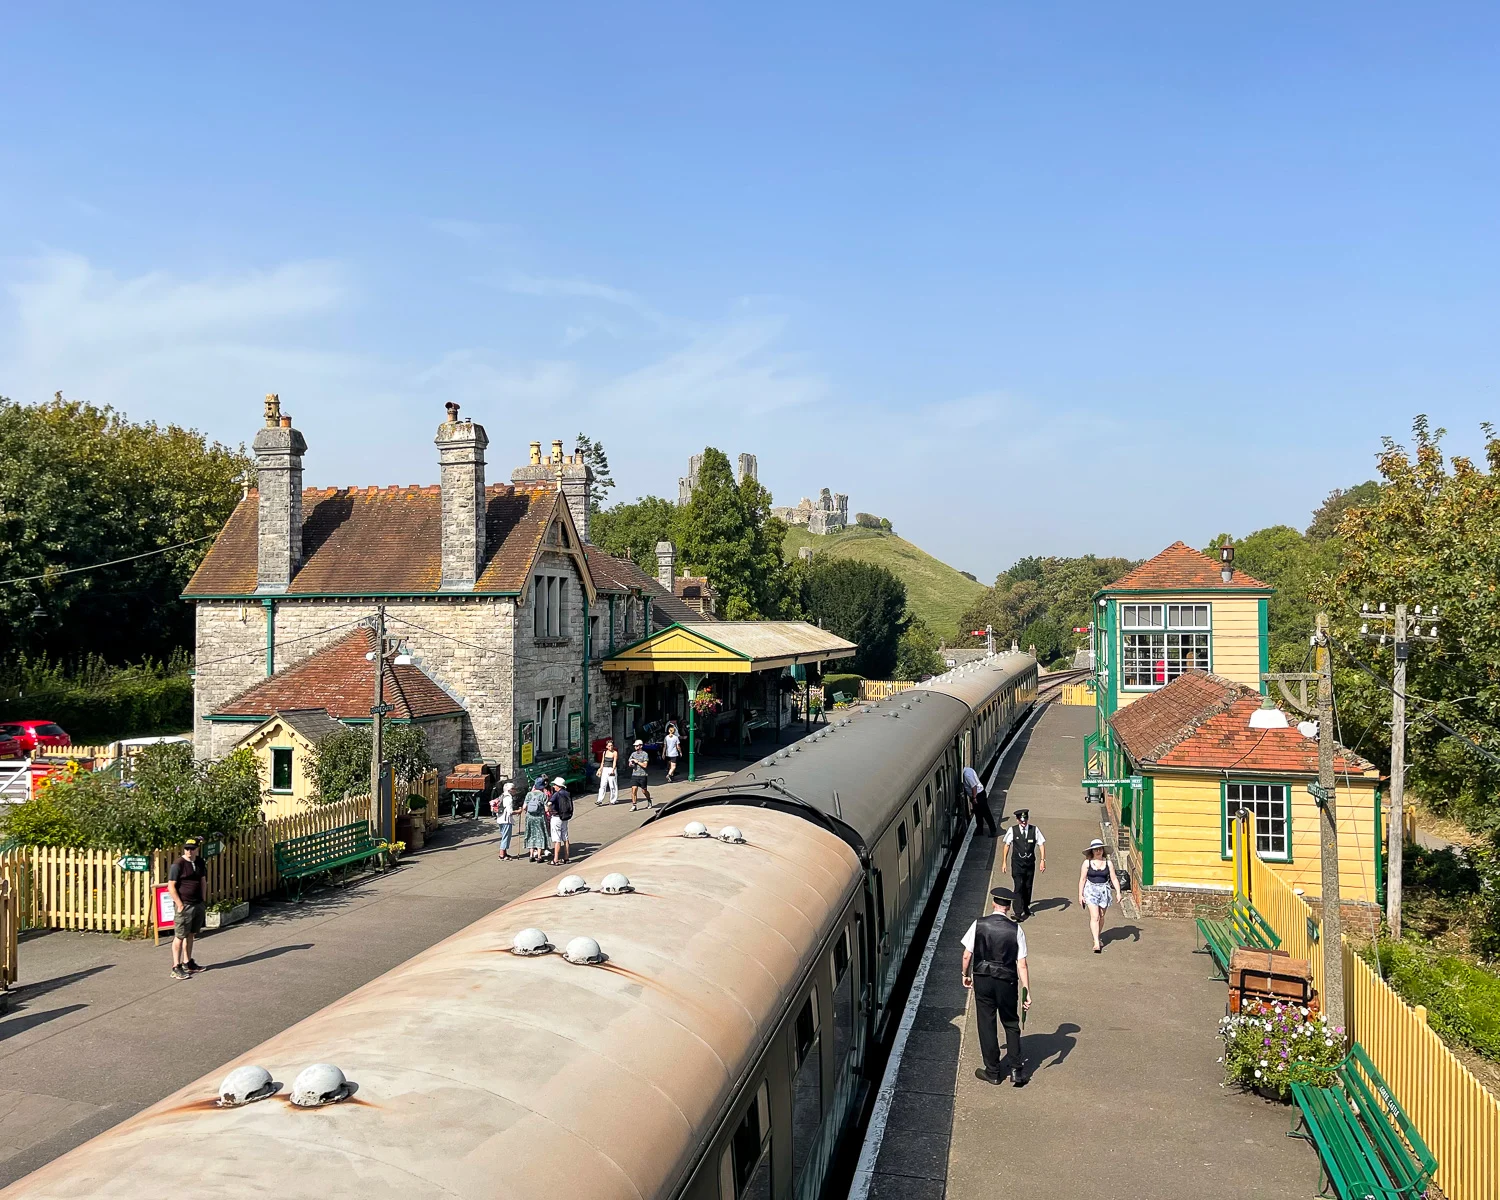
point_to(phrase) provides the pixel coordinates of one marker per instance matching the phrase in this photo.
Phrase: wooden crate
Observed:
(1268, 975)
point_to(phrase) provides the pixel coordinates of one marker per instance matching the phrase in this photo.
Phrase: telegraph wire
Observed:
(111, 563)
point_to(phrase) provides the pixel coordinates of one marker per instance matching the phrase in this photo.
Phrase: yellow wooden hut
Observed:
(1204, 747)
(284, 746)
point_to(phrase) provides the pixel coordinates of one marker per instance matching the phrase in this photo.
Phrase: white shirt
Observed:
(1011, 833)
(968, 940)
(971, 781)
(674, 745)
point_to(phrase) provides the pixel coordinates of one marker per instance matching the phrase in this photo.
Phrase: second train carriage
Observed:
(721, 1051)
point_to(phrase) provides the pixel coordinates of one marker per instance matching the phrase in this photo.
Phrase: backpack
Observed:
(562, 804)
(535, 803)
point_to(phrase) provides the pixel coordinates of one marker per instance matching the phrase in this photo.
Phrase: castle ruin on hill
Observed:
(828, 514)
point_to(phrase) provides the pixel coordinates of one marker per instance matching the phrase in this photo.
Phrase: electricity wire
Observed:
(111, 563)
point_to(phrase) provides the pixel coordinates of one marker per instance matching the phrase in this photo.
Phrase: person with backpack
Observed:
(536, 820)
(561, 809)
(504, 808)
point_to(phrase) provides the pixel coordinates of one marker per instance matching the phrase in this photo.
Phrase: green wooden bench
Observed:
(551, 768)
(336, 849)
(1367, 1146)
(1242, 927)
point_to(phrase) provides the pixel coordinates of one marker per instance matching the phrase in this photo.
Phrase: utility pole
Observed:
(1323, 792)
(1403, 633)
(1333, 917)
(377, 722)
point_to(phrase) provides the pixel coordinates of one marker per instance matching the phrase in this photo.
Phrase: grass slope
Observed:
(934, 590)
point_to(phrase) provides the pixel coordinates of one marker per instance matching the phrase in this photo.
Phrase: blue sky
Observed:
(930, 256)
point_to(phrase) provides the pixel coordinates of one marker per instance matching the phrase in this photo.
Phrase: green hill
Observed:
(934, 590)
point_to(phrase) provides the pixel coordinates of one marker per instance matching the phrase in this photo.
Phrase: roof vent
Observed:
(571, 885)
(531, 941)
(320, 1084)
(615, 884)
(245, 1085)
(695, 829)
(732, 834)
(584, 951)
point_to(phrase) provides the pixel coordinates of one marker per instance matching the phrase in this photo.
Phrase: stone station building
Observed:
(491, 590)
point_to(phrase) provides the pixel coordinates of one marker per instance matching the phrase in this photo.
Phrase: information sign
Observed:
(379, 710)
(1134, 782)
(134, 862)
(166, 911)
(528, 743)
(213, 849)
(575, 730)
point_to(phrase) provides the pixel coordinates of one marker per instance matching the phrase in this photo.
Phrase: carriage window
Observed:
(929, 790)
(807, 1087)
(879, 905)
(745, 1168)
(916, 813)
(843, 1001)
(901, 836)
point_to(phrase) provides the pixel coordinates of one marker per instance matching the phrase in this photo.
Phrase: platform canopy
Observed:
(731, 648)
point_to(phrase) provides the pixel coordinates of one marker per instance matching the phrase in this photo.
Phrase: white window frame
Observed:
(1261, 801)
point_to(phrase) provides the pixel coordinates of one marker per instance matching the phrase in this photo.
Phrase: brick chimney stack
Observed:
(278, 462)
(666, 564)
(461, 471)
(568, 472)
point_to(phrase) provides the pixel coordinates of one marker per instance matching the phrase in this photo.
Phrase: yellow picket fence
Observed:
(10, 928)
(1456, 1116)
(882, 689)
(60, 887)
(1076, 693)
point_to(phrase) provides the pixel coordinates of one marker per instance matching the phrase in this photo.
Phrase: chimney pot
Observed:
(286, 422)
(273, 409)
(536, 454)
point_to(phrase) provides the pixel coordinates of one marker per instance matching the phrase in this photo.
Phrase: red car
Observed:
(20, 738)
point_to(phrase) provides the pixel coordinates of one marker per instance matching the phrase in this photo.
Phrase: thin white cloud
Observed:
(522, 284)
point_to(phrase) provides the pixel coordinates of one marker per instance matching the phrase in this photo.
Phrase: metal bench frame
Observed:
(294, 867)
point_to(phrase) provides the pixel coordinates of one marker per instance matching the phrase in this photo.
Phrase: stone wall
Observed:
(476, 668)
(444, 738)
(548, 667)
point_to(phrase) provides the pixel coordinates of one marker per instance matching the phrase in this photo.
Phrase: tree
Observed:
(862, 602)
(81, 485)
(1325, 521)
(728, 534)
(1058, 589)
(917, 654)
(598, 461)
(405, 748)
(1430, 535)
(341, 765)
(634, 529)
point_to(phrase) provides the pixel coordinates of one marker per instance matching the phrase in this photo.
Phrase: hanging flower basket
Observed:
(705, 703)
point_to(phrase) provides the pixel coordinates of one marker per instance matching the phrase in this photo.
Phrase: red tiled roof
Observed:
(380, 541)
(341, 679)
(1202, 722)
(1181, 568)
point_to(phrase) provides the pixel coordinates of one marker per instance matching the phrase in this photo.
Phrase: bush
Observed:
(1273, 1045)
(1462, 1000)
(846, 682)
(341, 765)
(168, 798)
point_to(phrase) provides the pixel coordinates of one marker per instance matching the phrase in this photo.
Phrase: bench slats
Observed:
(1242, 927)
(314, 853)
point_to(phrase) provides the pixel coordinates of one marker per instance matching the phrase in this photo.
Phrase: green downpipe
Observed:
(587, 728)
(270, 606)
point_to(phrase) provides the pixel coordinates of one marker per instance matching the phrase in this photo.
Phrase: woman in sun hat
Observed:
(504, 808)
(1097, 886)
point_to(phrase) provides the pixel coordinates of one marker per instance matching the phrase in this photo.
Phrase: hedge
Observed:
(848, 683)
(127, 707)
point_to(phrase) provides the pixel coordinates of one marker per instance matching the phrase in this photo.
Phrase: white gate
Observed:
(15, 781)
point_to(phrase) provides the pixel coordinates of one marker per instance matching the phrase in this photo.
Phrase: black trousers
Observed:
(998, 998)
(982, 814)
(1022, 874)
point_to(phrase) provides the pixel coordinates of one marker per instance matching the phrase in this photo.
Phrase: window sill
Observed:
(281, 792)
(553, 641)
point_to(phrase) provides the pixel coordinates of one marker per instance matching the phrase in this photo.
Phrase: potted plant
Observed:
(417, 807)
(225, 912)
(1269, 1045)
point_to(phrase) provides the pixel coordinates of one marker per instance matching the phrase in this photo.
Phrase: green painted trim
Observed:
(270, 607)
(276, 791)
(1224, 852)
(251, 597)
(1263, 612)
(1111, 621)
(237, 717)
(588, 640)
(695, 631)
(1147, 840)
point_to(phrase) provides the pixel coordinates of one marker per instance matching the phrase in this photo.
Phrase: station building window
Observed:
(1270, 817)
(281, 768)
(1151, 659)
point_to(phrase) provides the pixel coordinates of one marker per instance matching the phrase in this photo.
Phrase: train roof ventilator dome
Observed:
(531, 941)
(320, 1084)
(245, 1085)
(615, 884)
(732, 834)
(571, 885)
(585, 951)
(695, 829)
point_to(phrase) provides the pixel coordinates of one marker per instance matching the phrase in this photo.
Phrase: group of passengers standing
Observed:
(547, 809)
(994, 960)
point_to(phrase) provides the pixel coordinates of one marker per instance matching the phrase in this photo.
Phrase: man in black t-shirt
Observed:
(187, 879)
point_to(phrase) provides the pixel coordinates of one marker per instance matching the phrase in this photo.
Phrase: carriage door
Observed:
(903, 876)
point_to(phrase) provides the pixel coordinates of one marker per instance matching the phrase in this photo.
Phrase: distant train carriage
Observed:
(714, 1040)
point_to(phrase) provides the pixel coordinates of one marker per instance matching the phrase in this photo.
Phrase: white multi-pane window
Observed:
(1270, 817)
(1151, 659)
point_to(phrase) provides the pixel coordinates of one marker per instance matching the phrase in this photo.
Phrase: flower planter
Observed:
(217, 920)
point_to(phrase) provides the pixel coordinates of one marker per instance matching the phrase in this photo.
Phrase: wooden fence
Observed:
(1077, 693)
(67, 888)
(882, 689)
(1455, 1115)
(10, 928)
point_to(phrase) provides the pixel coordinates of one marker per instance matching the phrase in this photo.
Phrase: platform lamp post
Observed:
(691, 680)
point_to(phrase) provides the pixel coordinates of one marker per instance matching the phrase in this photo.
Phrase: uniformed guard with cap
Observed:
(1026, 851)
(995, 967)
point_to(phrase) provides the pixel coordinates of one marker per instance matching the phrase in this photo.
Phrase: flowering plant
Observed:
(1271, 1045)
(705, 703)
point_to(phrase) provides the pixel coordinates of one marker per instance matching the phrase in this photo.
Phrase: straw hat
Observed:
(1096, 844)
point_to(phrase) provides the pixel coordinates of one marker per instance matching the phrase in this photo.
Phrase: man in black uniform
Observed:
(995, 967)
(1026, 851)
